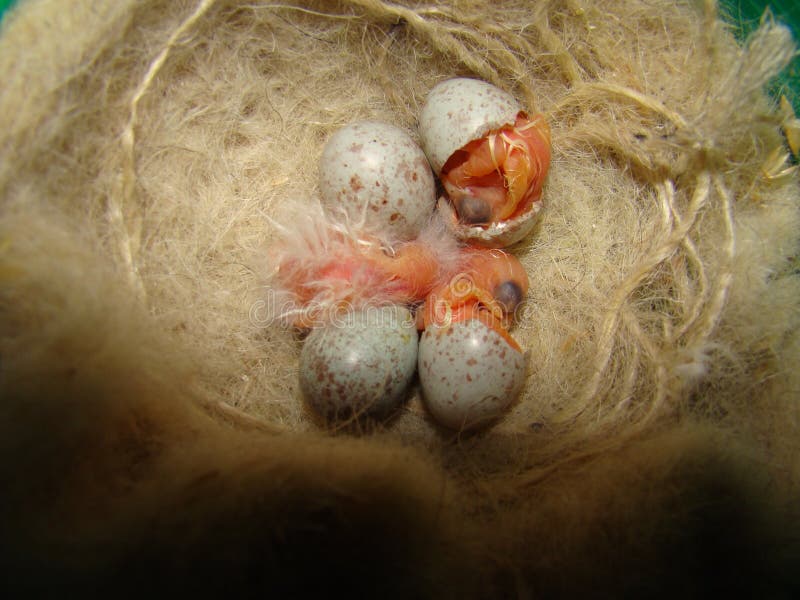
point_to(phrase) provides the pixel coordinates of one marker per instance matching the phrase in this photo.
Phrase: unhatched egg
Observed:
(469, 373)
(491, 157)
(374, 174)
(360, 363)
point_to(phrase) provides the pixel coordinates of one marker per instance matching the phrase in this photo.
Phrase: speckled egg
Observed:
(375, 173)
(460, 110)
(359, 364)
(469, 373)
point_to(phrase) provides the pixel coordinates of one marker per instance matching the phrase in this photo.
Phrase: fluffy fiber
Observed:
(151, 422)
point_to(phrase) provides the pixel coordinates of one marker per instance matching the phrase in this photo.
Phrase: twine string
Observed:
(128, 241)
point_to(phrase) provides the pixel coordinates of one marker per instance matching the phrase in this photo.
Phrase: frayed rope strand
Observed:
(725, 279)
(445, 37)
(639, 274)
(126, 240)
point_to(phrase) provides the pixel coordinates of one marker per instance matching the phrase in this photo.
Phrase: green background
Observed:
(744, 14)
(4, 4)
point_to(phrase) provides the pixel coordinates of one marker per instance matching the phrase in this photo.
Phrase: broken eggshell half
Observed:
(463, 118)
(375, 176)
(495, 235)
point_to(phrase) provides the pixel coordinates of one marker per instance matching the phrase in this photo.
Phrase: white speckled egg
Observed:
(460, 110)
(360, 363)
(470, 375)
(376, 172)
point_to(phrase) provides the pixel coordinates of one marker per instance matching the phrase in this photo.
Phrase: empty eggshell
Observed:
(359, 364)
(460, 110)
(469, 373)
(374, 174)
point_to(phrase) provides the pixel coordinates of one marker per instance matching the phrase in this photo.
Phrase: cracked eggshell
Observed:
(359, 364)
(469, 374)
(494, 235)
(376, 172)
(458, 111)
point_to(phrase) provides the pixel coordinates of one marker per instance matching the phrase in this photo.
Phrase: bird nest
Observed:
(152, 416)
